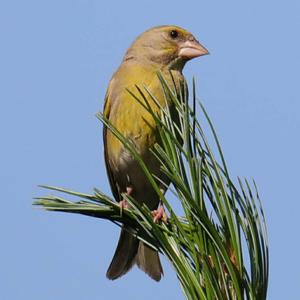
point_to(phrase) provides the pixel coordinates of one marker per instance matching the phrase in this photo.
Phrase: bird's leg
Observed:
(159, 214)
(124, 203)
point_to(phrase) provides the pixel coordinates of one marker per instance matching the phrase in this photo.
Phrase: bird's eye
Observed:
(173, 34)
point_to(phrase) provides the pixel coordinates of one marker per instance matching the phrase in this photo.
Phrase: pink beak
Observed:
(191, 49)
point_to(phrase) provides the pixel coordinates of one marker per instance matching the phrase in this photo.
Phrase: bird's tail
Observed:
(130, 251)
(148, 260)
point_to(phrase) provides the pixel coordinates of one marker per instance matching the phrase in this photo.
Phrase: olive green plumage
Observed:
(165, 49)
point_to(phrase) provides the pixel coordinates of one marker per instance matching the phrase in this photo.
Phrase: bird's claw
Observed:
(160, 215)
(124, 204)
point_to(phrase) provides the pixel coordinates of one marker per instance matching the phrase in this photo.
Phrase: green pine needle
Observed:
(219, 246)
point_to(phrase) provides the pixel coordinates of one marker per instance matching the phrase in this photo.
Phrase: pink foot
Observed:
(160, 215)
(124, 203)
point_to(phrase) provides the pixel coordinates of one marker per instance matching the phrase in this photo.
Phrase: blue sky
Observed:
(56, 59)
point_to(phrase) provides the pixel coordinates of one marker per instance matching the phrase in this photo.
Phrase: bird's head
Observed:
(168, 46)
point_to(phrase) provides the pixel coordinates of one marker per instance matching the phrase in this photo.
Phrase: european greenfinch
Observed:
(163, 49)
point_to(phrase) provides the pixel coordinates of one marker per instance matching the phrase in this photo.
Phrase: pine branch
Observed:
(223, 225)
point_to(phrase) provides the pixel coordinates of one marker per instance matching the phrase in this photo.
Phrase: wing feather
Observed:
(106, 112)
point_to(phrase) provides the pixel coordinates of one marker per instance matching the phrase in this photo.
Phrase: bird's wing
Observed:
(106, 112)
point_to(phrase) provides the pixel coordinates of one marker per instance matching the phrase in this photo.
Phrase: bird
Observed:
(164, 49)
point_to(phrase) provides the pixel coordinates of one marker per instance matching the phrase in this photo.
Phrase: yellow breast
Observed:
(128, 115)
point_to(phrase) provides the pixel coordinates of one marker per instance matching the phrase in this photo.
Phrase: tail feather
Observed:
(148, 260)
(124, 257)
(130, 251)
